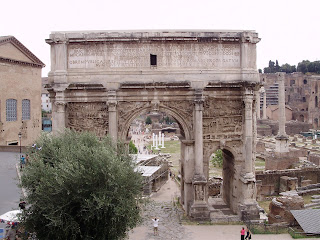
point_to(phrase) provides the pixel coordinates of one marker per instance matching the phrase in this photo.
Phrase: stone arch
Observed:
(228, 172)
(301, 118)
(186, 131)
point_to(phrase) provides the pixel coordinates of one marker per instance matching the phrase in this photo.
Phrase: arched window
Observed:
(316, 101)
(25, 109)
(301, 118)
(11, 110)
(305, 81)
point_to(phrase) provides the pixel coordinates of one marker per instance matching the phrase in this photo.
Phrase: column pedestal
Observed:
(282, 144)
(199, 209)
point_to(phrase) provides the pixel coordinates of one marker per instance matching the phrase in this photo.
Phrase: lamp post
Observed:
(20, 135)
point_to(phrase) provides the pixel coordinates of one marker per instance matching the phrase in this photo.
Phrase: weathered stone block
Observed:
(280, 209)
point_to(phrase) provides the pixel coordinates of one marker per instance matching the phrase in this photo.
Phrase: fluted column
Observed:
(282, 138)
(282, 113)
(264, 106)
(248, 101)
(258, 104)
(58, 117)
(112, 110)
(199, 208)
(198, 132)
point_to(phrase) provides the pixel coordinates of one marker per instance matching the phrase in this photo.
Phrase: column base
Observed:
(250, 210)
(200, 211)
(282, 144)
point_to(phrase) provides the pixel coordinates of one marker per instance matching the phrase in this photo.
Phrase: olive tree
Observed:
(80, 187)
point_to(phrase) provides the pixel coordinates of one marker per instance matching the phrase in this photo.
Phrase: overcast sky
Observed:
(289, 29)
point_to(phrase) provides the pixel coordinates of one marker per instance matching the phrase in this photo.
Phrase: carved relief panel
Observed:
(222, 119)
(184, 109)
(126, 110)
(88, 116)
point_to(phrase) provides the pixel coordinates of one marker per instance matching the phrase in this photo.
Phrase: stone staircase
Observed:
(220, 212)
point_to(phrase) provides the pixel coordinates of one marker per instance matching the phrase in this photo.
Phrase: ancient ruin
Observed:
(101, 81)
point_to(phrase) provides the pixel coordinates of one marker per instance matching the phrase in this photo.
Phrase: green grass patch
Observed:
(307, 199)
(265, 205)
(268, 229)
(174, 149)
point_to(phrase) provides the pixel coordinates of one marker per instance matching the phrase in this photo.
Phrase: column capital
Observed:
(112, 105)
(198, 99)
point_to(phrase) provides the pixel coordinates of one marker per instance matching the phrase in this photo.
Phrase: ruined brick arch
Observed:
(181, 121)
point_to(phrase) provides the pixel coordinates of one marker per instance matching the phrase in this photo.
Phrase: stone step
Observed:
(312, 205)
(315, 196)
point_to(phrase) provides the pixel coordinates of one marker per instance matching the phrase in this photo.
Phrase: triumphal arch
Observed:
(101, 81)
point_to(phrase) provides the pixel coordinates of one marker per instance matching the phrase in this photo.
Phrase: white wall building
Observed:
(45, 100)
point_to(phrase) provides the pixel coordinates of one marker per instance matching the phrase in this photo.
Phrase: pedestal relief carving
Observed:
(88, 116)
(199, 192)
(126, 110)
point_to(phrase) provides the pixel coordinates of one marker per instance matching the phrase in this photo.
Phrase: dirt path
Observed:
(170, 227)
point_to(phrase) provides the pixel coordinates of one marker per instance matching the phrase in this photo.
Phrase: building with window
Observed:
(302, 94)
(20, 93)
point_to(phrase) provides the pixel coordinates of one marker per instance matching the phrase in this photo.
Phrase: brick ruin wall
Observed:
(268, 182)
(269, 127)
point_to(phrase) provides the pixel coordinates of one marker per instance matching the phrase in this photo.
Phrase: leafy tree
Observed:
(260, 70)
(217, 159)
(169, 120)
(277, 67)
(80, 187)
(148, 120)
(303, 66)
(287, 68)
(132, 148)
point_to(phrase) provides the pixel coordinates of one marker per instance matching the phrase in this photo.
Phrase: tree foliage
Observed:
(80, 187)
(217, 159)
(132, 148)
(274, 67)
(307, 66)
(148, 120)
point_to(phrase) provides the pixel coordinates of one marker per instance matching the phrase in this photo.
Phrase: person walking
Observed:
(248, 236)
(155, 226)
(242, 232)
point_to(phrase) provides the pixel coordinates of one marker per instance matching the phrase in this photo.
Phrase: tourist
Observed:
(155, 225)
(22, 161)
(248, 236)
(243, 232)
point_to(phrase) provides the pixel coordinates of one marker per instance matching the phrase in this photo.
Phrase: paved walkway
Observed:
(170, 226)
(10, 193)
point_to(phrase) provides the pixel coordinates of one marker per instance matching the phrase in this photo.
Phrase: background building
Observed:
(20, 101)
(302, 95)
(45, 100)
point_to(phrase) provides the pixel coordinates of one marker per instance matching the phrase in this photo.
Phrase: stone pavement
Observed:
(172, 228)
(9, 191)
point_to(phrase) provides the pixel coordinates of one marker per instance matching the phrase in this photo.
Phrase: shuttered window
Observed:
(11, 110)
(25, 109)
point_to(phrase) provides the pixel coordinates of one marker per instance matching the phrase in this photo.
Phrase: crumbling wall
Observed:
(315, 158)
(292, 127)
(271, 179)
(282, 161)
(280, 209)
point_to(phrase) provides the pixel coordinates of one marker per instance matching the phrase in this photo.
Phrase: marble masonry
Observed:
(101, 81)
